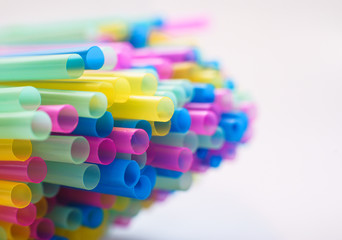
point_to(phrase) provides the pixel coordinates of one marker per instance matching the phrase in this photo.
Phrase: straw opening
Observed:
(184, 160)
(79, 150)
(149, 84)
(139, 141)
(74, 66)
(185, 181)
(41, 125)
(27, 215)
(19, 232)
(131, 175)
(50, 190)
(22, 149)
(140, 159)
(162, 128)
(190, 141)
(104, 125)
(146, 126)
(94, 58)
(165, 109)
(29, 98)
(106, 151)
(45, 229)
(97, 105)
(143, 188)
(91, 177)
(95, 217)
(21, 195)
(36, 169)
(183, 120)
(67, 118)
(74, 219)
(210, 123)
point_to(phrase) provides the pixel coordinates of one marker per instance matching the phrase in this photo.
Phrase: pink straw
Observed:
(162, 65)
(223, 100)
(169, 157)
(250, 109)
(32, 170)
(122, 221)
(160, 195)
(102, 150)
(130, 140)
(77, 196)
(64, 117)
(21, 216)
(42, 229)
(203, 122)
(203, 107)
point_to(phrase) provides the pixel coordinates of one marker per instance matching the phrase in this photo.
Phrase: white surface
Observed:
(286, 184)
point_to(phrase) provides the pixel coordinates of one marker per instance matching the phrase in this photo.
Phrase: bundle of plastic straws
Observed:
(102, 118)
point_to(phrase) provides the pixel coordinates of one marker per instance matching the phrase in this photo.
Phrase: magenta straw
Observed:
(42, 229)
(203, 122)
(173, 54)
(51, 203)
(77, 196)
(162, 66)
(203, 107)
(197, 166)
(102, 150)
(223, 100)
(32, 170)
(130, 140)
(122, 221)
(250, 109)
(186, 24)
(124, 51)
(160, 195)
(168, 157)
(64, 118)
(21, 216)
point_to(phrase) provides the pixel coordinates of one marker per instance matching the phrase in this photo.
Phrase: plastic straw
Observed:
(97, 127)
(140, 124)
(14, 231)
(203, 122)
(65, 149)
(42, 229)
(151, 173)
(121, 203)
(178, 91)
(64, 117)
(32, 170)
(50, 190)
(151, 108)
(14, 194)
(187, 140)
(25, 125)
(19, 99)
(36, 190)
(92, 217)
(110, 58)
(184, 69)
(214, 141)
(184, 83)
(223, 100)
(174, 54)
(162, 65)
(15, 149)
(102, 150)
(87, 104)
(3, 234)
(182, 183)
(41, 67)
(140, 83)
(140, 159)
(168, 94)
(160, 128)
(42, 207)
(168, 173)
(77, 196)
(65, 217)
(84, 176)
(21, 216)
(169, 157)
(203, 93)
(180, 121)
(129, 140)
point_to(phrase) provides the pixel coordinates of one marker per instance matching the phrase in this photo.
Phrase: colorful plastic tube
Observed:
(102, 150)
(84, 176)
(32, 170)
(25, 125)
(203, 122)
(184, 69)
(96, 127)
(141, 83)
(14, 231)
(184, 83)
(140, 124)
(182, 183)
(3, 234)
(120, 173)
(50, 190)
(121, 204)
(214, 141)
(151, 173)
(87, 104)
(21, 216)
(64, 149)
(14, 194)
(42, 207)
(223, 100)
(64, 117)
(169, 157)
(180, 121)
(110, 58)
(173, 54)
(140, 159)
(65, 217)
(160, 128)
(234, 126)
(129, 140)
(41, 67)
(42, 229)
(15, 149)
(92, 217)
(19, 99)
(151, 108)
(36, 191)
(187, 140)
(169, 94)
(77, 196)
(162, 65)
(51, 203)
(178, 91)
(203, 93)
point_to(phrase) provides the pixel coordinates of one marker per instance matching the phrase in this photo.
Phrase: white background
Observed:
(287, 183)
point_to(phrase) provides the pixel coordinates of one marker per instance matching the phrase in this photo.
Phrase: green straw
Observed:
(169, 94)
(41, 67)
(50, 190)
(178, 91)
(67, 149)
(25, 125)
(3, 234)
(37, 191)
(84, 176)
(16, 99)
(182, 183)
(69, 218)
(214, 141)
(188, 140)
(87, 104)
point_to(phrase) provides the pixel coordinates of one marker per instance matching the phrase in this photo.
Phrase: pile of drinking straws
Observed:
(100, 119)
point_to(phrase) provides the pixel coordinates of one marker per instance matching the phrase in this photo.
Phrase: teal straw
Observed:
(182, 183)
(66, 149)
(84, 176)
(87, 104)
(214, 141)
(50, 190)
(37, 191)
(41, 67)
(25, 125)
(188, 140)
(184, 83)
(16, 99)
(178, 91)
(69, 218)
(169, 94)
